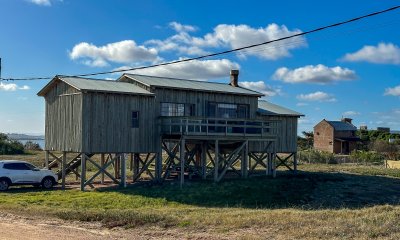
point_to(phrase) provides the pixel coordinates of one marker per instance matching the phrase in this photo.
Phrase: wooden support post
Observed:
(273, 156)
(102, 166)
(245, 160)
(135, 165)
(130, 161)
(158, 167)
(203, 160)
(63, 169)
(269, 164)
(83, 171)
(123, 170)
(182, 159)
(216, 161)
(46, 159)
(295, 163)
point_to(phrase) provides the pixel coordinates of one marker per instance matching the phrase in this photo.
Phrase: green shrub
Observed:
(313, 156)
(366, 157)
(8, 146)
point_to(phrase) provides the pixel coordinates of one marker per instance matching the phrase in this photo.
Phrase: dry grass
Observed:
(323, 201)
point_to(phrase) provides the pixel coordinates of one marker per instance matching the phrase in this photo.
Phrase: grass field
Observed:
(322, 201)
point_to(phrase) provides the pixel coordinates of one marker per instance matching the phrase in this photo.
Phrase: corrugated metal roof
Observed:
(267, 108)
(342, 126)
(191, 85)
(96, 85)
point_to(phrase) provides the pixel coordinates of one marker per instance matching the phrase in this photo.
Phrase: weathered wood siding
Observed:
(63, 119)
(107, 120)
(200, 99)
(287, 135)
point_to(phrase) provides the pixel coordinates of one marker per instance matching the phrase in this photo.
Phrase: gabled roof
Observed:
(342, 126)
(270, 109)
(186, 84)
(96, 85)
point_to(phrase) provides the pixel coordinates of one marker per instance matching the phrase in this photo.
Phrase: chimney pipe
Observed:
(347, 120)
(234, 78)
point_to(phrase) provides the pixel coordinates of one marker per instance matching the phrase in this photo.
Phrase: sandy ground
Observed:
(22, 227)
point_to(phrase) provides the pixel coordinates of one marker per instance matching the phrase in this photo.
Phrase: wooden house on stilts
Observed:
(164, 127)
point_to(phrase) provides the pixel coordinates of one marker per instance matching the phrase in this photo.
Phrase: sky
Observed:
(350, 71)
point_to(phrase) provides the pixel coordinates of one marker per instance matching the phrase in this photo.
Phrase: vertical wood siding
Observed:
(287, 135)
(107, 122)
(63, 119)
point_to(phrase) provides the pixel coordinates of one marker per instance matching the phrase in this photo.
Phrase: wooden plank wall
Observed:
(287, 135)
(63, 119)
(107, 123)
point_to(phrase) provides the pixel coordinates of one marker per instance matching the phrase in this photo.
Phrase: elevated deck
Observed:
(197, 128)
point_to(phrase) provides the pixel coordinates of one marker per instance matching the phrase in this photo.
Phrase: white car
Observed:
(13, 172)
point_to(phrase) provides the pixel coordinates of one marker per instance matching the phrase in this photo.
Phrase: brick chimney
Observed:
(347, 120)
(234, 78)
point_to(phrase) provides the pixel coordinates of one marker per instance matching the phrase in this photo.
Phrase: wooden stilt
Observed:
(182, 160)
(245, 160)
(130, 161)
(46, 159)
(63, 169)
(203, 160)
(216, 161)
(158, 167)
(295, 163)
(135, 166)
(273, 168)
(83, 171)
(102, 166)
(123, 170)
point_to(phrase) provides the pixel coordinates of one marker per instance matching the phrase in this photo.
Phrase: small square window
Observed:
(135, 119)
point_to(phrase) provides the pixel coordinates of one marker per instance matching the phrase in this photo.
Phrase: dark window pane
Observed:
(16, 166)
(135, 119)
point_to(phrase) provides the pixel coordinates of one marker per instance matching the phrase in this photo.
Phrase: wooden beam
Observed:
(102, 165)
(203, 160)
(295, 162)
(135, 166)
(83, 171)
(158, 167)
(123, 170)
(245, 160)
(182, 159)
(63, 168)
(46, 159)
(216, 161)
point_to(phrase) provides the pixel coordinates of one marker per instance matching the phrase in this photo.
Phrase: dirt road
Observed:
(32, 228)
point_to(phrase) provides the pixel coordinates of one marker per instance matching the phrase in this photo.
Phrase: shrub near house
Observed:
(8, 146)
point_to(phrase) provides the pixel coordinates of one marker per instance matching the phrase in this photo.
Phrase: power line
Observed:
(222, 52)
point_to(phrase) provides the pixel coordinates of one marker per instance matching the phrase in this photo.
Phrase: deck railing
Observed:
(218, 126)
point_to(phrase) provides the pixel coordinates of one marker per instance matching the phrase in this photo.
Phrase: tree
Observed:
(309, 136)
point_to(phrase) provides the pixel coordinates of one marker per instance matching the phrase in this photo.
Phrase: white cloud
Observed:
(261, 87)
(320, 74)
(12, 87)
(182, 28)
(317, 96)
(350, 113)
(196, 69)
(384, 53)
(301, 104)
(231, 36)
(394, 91)
(126, 51)
(41, 2)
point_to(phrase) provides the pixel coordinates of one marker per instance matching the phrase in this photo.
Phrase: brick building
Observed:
(337, 137)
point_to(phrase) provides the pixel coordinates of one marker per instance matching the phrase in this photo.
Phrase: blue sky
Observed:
(348, 71)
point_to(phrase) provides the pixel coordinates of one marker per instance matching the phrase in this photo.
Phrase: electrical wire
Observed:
(217, 53)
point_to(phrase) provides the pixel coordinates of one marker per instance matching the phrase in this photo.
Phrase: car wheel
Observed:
(47, 183)
(4, 184)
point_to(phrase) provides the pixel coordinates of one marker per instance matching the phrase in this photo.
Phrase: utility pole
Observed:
(0, 68)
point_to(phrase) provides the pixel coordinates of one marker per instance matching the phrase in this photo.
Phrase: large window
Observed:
(177, 109)
(227, 110)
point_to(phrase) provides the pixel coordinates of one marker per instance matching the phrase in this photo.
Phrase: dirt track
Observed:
(21, 228)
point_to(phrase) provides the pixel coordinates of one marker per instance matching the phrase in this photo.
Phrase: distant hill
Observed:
(19, 136)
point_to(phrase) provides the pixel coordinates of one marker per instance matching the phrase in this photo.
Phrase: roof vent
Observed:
(347, 120)
(234, 78)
